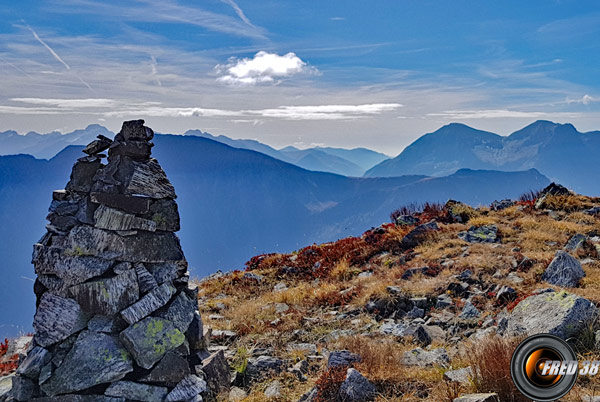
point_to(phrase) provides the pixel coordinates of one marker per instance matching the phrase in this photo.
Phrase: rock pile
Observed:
(116, 317)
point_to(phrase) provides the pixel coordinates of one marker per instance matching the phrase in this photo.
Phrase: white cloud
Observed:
(238, 11)
(263, 68)
(337, 18)
(317, 112)
(585, 99)
(326, 112)
(68, 103)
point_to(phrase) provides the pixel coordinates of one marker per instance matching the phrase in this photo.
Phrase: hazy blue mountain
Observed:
(363, 157)
(558, 151)
(234, 204)
(316, 159)
(47, 145)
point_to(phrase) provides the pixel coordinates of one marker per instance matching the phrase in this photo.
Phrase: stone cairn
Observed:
(116, 318)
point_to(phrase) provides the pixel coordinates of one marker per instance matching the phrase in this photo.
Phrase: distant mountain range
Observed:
(234, 203)
(346, 162)
(559, 151)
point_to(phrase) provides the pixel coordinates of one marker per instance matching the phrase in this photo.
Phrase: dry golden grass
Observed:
(490, 361)
(483, 220)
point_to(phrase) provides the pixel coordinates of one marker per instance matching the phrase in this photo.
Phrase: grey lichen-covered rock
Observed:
(562, 314)
(489, 397)
(137, 392)
(169, 371)
(480, 234)
(180, 312)
(217, 372)
(356, 388)
(107, 296)
(150, 339)
(190, 387)
(96, 358)
(151, 302)
(426, 358)
(56, 319)
(31, 366)
(564, 270)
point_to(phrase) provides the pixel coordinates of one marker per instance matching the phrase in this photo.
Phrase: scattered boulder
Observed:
(406, 220)
(503, 204)
(341, 358)
(462, 376)
(426, 358)
(262, 366)
(356, 388)
(273, 390)
(418, 234)
(237, 394)
(562, 314)
(480, 234)
(469, 311)
(564, 270)
(576, 242)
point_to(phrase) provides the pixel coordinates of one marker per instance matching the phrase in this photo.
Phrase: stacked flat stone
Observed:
(116, 318)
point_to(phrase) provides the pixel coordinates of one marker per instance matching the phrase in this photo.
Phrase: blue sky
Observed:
(341, 73)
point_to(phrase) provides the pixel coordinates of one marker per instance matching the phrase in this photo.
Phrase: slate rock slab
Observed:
(33, 363)
(96, 358)
(113, 219)
(56, 319)
(148, 304)
(564, 270)
(562, 314)
(72, 266)
(107, 296)
(137, 392)
(170, 370)
(180, 312)
(190, 387)
(149, 180)
(150, 339)
(216, 369)
(144, 247)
